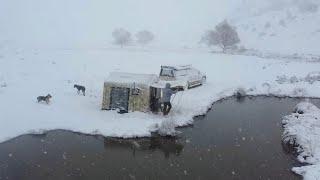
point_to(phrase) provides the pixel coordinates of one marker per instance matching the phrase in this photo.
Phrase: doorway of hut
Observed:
(119, 99)
(155, 99)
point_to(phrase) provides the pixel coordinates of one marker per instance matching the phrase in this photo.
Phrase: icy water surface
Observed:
(235, 140)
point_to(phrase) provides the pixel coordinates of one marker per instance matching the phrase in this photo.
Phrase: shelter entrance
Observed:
(155, 99)
(119, 98)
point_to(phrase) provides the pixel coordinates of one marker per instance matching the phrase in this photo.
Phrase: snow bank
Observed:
(302, 129)
(310, 78)
(167, 127)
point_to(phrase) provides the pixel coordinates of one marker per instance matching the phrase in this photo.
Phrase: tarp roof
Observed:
(120, 77)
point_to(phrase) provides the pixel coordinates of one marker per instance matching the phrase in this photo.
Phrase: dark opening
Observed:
(155, 97)
(119, 99)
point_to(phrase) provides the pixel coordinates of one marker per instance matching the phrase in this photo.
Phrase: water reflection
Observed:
(169, 145)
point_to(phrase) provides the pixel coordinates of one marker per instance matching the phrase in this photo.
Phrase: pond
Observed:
(237, 139)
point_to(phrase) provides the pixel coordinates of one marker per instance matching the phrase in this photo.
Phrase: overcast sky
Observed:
(68, 23)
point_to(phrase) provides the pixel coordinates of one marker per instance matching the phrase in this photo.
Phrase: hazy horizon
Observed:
(77, 23)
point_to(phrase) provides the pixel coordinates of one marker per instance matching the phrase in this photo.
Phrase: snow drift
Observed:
(302, 129)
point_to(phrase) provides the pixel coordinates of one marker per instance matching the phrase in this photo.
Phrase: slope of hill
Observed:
(287, 26)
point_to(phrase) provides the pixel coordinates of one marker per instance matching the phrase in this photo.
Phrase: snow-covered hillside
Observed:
(284, 26)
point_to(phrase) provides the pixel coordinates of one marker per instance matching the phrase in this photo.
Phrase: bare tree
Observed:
(225, 36)
(144, 37)
(121, 37)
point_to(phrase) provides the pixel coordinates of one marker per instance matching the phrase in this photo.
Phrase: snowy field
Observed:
(26, 74)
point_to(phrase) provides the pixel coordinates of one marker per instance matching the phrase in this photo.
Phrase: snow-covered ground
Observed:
(302, 128)
(26, 74)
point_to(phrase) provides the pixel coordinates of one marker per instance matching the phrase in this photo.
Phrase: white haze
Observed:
(83, 23)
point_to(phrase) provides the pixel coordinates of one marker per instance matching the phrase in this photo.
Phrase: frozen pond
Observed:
(235, 140)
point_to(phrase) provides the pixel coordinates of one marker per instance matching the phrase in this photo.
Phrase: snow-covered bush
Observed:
(305, 107)
(3, 84)
(294, 79)
(290, 80)
(282, 79)
(299, 92)
(225, 36)
(144, 37)
(121, 37)
(240, 93)
(308, 6)
(267, 87)
(312, 77)
(282, 23)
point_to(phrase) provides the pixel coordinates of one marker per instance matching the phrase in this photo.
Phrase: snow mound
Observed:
(240, 92)
(313, 77)
(305, 107)
(310, 78)
(302, 129)
(308, 172)
(167, 127)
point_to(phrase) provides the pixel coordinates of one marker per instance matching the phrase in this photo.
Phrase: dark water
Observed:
(236, 140)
